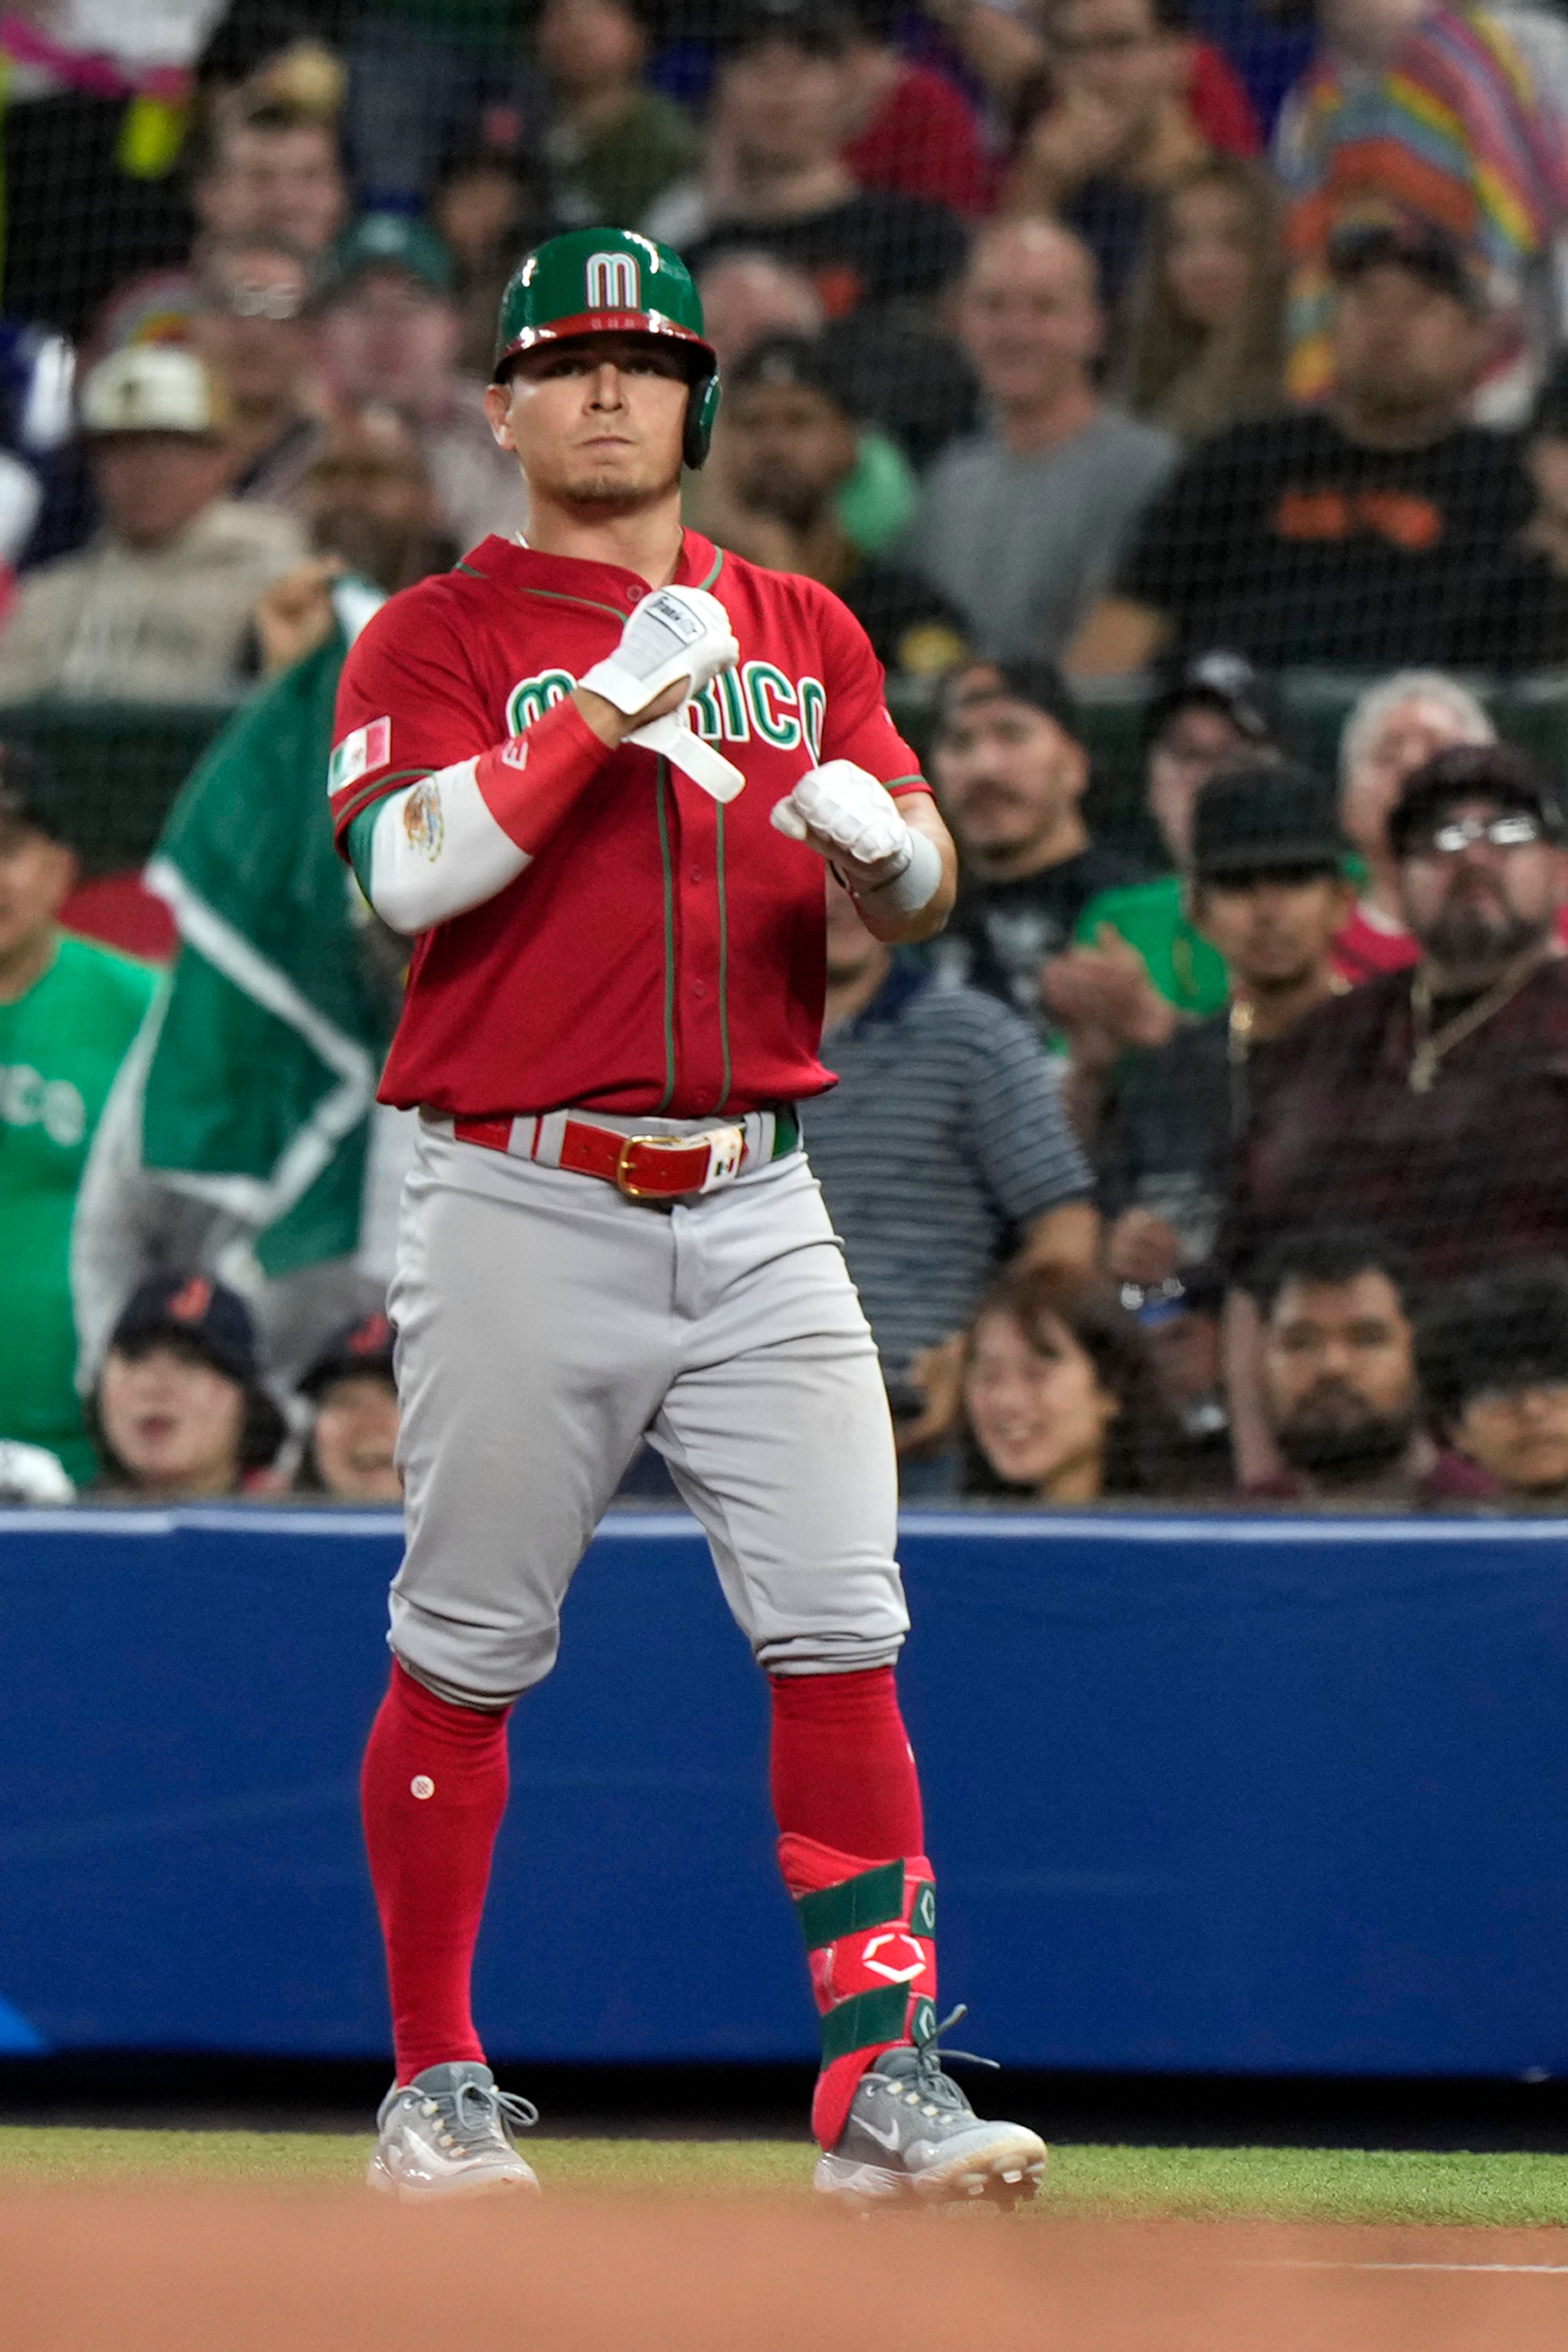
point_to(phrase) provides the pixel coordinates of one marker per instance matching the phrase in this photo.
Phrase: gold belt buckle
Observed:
(647, 1143)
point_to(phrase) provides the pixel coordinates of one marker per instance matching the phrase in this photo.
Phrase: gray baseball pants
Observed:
(545, 1324)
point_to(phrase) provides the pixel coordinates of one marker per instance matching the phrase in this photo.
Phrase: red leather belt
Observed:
(643, 1167)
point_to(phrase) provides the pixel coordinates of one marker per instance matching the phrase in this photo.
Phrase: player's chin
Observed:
(614, 481)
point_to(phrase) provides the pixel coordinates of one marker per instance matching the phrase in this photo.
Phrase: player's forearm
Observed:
(455, 838)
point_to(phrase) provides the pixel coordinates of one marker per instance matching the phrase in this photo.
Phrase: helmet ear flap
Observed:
(701, 408)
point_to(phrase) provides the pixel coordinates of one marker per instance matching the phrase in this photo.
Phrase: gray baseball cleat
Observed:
(445, 2135)
(912, 2133)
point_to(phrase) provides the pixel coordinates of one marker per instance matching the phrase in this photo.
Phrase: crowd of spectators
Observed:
(1133, 384)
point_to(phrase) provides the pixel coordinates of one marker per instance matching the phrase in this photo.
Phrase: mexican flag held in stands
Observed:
(246, 1099)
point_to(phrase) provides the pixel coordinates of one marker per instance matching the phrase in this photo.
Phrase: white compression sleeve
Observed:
(436, 851)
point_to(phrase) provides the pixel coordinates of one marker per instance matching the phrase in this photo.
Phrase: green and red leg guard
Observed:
(870, 1937)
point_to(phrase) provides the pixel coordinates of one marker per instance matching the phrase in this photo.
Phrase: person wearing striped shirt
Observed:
(943, 1151)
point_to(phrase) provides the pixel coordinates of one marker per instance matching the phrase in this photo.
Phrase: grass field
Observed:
(1343, 2185)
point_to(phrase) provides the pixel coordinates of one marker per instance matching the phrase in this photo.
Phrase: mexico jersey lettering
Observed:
(661, 952)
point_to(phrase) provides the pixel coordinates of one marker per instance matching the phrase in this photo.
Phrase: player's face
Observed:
(1521, 1436)
(174, 1420)
(354, 1436)
(35, 877)
(1273, 931)
(596, 423)
(1035, 1402)
(1007, 774)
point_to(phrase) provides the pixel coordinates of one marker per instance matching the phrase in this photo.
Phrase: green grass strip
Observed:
(1508, 2191)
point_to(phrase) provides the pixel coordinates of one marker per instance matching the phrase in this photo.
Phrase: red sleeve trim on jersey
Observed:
(899, 785)
(531, 783)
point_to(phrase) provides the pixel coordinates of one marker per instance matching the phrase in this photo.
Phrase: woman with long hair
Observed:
(1205, 335)
(1059, 1394)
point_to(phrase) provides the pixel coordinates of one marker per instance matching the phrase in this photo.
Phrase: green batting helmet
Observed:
(596, 281)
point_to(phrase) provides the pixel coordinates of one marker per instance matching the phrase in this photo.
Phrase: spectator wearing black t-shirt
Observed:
(776, 183)
(1527, 598)
(786, 445)
(1363, 533)
(1011, 775)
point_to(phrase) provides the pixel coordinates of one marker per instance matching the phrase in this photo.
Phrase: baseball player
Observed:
(594, 776)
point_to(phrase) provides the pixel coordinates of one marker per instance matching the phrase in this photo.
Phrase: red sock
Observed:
(842, 1769)
(848, 1802)
(433, 1790)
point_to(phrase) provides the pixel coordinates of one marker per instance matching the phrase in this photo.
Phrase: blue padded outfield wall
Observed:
(1219, 1794)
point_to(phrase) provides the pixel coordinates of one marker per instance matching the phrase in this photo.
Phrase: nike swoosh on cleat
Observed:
(887, 2139)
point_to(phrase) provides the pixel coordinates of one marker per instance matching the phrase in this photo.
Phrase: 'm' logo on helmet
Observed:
(615, 283)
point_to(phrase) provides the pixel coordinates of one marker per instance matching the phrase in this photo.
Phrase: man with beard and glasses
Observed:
(1428, 1105)
(1011, 775)
(1339, 1390)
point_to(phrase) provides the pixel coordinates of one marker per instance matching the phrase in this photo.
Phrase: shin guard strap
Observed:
(866, 1901)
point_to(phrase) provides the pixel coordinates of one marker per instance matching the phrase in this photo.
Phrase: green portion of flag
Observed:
(272, 1039)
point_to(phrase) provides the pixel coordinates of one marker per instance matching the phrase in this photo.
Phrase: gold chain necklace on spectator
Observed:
(1432, 1044)
(1244, 1020)
(1238, 1042)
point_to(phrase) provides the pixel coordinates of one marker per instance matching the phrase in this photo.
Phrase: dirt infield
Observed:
(161, 2271)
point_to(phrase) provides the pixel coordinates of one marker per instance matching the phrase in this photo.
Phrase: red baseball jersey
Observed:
(661, 952)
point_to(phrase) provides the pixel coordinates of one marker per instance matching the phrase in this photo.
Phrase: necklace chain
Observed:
(1431, 1045)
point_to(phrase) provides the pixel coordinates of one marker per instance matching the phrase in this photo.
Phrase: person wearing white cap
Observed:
(156, 607)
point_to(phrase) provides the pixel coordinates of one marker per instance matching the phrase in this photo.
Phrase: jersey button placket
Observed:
(702, 1055)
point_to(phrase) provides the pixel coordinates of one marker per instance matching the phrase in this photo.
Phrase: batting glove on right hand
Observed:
(673, 633)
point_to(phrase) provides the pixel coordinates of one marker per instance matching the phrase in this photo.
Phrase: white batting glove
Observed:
(673, 633)
(848, 805)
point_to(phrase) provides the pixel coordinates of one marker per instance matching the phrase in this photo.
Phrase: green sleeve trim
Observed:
(472, 571)
(864, 2022)
(869, 1900)
(361, 833)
